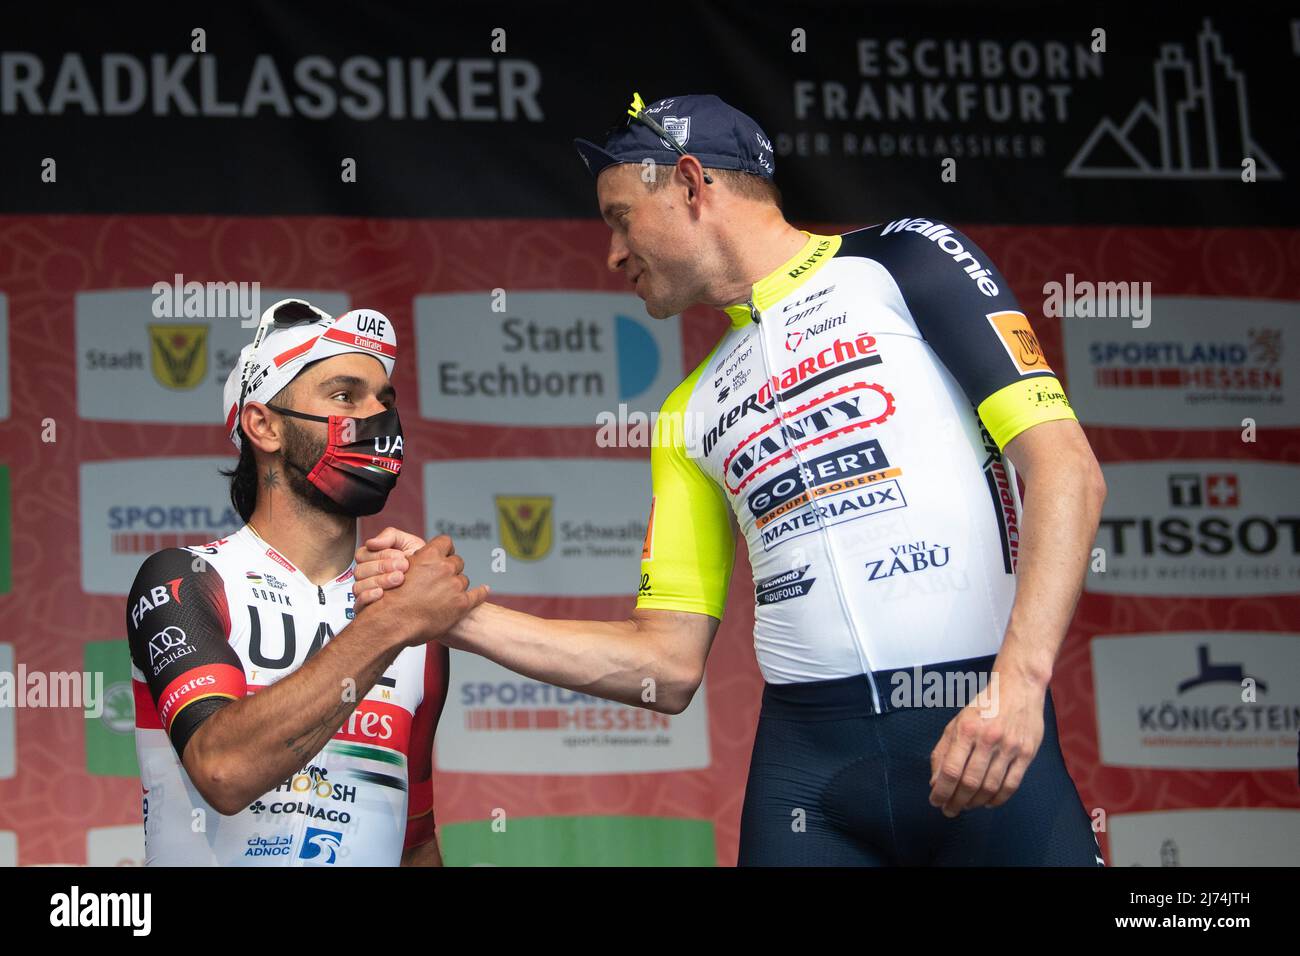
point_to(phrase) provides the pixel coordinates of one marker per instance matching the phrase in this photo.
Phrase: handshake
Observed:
(436, 595)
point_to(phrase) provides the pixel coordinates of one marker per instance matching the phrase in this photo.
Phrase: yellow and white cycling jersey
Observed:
(852, 420)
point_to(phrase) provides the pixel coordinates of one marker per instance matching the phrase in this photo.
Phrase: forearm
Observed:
(254, 744)
(1057, 529)
(426, 854)
(610, 659)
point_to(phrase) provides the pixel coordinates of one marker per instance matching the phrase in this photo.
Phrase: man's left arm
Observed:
(965, 309)
(421, 844)
(985, 750)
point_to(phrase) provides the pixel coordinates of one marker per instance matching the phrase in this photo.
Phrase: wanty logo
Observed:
(838, 412)
(1197, 125)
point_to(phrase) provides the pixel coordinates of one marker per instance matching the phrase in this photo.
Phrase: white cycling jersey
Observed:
(209, 625)
(852, 420)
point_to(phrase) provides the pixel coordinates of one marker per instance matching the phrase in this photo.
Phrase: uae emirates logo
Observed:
(1196, 124)
(180, 355)
(525, 525)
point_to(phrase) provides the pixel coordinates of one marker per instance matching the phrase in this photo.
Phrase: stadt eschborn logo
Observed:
(1196, 125)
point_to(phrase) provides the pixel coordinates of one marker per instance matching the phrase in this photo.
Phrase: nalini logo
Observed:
(180, 355)
(321, 845)
(1195, 125)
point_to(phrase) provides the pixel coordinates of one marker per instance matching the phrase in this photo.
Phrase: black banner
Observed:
(993, 113)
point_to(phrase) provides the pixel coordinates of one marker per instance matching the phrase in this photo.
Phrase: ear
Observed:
(690, 169)
(261, 427)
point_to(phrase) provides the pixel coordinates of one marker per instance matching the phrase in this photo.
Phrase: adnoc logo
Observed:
(541, 358)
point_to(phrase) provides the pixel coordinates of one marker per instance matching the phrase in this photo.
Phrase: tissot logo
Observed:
(1195, 491)
(1199, 527)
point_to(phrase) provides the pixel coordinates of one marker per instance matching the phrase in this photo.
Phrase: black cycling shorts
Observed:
(834, 783)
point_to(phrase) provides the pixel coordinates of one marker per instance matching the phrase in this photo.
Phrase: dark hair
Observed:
(243, 479)
(748, 185)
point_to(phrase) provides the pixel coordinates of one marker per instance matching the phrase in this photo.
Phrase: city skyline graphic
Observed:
(1197, 127)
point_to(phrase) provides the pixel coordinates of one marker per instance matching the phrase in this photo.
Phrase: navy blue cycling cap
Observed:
(718, 135)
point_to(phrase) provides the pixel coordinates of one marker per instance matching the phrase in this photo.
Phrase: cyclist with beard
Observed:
(266, 735)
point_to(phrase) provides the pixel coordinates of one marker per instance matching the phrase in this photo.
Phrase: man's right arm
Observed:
(656, 657)
(236, 747)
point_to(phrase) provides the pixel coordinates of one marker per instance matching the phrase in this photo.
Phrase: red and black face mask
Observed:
(361, 461)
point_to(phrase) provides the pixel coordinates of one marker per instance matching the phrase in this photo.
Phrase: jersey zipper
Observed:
(858, 644)
(321, 591)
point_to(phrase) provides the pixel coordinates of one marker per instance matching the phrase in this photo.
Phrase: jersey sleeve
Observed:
(419, 808)
(965, 309)
(178, 629)
(690, 544)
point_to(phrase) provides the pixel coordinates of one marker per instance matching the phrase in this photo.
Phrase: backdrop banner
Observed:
(160, 186)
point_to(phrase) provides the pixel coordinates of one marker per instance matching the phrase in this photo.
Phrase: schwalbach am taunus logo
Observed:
(180, 354)
(525, 525)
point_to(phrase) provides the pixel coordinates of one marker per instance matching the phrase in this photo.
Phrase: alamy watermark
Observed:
(179, 299)
(53, 689)
(920, 687)
(1098, 300)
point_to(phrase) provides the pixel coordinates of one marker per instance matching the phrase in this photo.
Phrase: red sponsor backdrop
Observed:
(384, 264)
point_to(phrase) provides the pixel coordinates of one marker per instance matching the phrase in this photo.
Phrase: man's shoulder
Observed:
(198, 558)
(896, 233)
